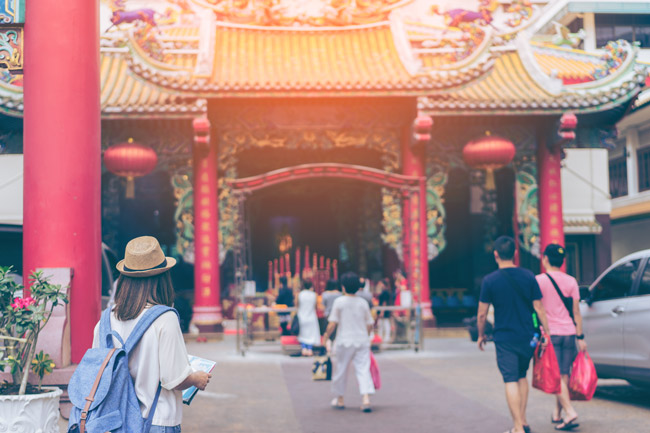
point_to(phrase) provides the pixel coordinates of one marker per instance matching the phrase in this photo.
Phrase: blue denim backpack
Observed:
(101, 388)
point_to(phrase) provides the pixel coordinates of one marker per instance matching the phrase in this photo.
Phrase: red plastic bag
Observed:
(374, 372)
(546, 371)
(584, 380)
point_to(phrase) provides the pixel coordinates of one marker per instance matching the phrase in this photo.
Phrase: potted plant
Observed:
(25, 406)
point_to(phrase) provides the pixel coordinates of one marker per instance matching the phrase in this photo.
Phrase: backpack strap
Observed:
(91, 397)
(566, 301)
(149, 420)
(105, 340)
(143, 324)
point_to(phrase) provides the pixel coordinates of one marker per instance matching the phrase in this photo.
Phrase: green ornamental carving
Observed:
(527, 207)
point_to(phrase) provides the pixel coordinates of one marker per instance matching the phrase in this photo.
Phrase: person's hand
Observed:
(582, 345)
(481, 342)
(201, 379)
(544, 340)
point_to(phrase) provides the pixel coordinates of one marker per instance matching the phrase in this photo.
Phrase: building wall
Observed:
(587, 205)
(585, 183)
(630, 236)
(631, 212)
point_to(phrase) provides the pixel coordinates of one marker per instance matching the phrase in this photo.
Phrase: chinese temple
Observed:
(382, 134)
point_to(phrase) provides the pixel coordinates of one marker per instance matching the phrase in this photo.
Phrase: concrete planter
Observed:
(30, 413)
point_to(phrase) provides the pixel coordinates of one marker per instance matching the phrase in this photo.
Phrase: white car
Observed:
(616, 318)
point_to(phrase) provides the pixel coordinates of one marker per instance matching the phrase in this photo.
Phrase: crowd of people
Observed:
(313, 310)
(516, 294)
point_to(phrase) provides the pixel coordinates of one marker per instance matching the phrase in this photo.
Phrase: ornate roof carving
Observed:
(301, 13)
(162, 58)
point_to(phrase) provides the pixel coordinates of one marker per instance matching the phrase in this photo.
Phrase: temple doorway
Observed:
(339, 219)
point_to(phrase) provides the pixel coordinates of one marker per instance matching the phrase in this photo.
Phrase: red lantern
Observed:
(489, 153)
(422, 129)
(130, 160)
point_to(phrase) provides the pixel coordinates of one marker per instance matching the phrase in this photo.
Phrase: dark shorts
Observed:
(566, 351)
(513, 360)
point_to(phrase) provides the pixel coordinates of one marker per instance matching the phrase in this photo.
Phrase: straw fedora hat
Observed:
(144, 258)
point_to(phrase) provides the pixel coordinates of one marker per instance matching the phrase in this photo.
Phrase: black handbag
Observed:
(295, 325)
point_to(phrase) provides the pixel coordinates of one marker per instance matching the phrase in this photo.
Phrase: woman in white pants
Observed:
(352, 345)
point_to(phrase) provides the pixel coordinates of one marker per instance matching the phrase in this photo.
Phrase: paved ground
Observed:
(449, 387)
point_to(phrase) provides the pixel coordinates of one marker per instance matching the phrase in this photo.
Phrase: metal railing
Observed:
(259, 326)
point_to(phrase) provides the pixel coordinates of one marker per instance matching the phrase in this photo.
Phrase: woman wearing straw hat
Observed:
(143, 283)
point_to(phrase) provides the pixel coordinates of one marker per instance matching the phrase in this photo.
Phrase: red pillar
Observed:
(550, 195)
(207, 284)
(62, 166)
(414, 217)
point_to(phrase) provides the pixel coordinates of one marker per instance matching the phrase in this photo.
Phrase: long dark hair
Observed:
(133, 294)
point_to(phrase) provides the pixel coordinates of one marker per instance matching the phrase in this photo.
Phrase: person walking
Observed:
(561, 300)
(385, 300)
(364, 292)
(160, 357)
(309, 334)
(285, 297)
(351, 319)
(515, 294)
(332, 292)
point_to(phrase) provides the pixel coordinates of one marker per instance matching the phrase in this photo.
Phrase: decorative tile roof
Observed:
(247, 61)
(517, 85)
(569, 65)
(122, 93)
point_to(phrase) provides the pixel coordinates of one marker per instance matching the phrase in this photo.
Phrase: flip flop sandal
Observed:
(567, 425)
(366, 408)
(527, 429)
(556, 421)
(335, 404)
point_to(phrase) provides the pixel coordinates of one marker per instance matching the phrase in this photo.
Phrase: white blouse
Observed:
(160, 356)
(352, 314)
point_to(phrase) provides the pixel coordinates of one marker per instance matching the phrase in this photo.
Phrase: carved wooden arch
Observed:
(314, 171)
(413, 188)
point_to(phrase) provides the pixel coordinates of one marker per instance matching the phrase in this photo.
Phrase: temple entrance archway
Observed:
(410, 187)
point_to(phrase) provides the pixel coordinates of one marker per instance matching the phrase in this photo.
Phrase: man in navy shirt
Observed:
(514, 293)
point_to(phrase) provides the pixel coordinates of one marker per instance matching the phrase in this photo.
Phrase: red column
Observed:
(550, 195)
(414, 217)
(207, 290)
(62, 166)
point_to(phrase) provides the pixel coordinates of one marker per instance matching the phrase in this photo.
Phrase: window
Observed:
(643, 156)
(632, 28)
(617, 283)
(618, 177)
(644, 285)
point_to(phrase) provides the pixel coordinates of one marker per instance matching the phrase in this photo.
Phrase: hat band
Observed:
(162, 265)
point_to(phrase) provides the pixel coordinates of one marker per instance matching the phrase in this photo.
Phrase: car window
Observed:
(617, 283)
(644, 285)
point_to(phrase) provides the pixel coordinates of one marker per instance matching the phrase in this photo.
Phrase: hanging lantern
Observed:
(130, 160)
(422, 129)
(489, 153)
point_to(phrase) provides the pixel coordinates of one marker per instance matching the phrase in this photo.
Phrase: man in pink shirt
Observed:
(561, 300)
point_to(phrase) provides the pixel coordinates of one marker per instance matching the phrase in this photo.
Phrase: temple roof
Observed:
(515, 86)
(122, 94)
(200, 49)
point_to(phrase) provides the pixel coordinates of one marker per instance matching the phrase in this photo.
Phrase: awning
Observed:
(582, 225)
(11, 189)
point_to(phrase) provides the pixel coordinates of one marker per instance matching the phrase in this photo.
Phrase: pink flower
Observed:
(18, 303)
(23, 302)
